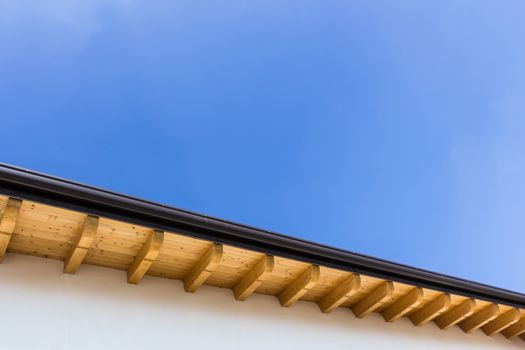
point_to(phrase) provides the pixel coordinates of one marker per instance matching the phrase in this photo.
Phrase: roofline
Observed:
(30, 185)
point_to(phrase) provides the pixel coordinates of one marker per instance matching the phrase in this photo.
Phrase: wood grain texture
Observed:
(480, 318)
(456, 314)
(204, 268)
(254, 278)
(146, 257)
(403, 305)
(8, 223)
(514, 330)
(341, 293)
(57, 233)
(299, 286)
(82, 245)
(373, 300)
(431, 310)
(501, 322)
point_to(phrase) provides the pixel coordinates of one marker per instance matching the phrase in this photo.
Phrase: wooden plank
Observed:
(516, 329)
(300, 286)
(254, 278)
(50, 232)
(431, 310)
(372, 301)
(403, 305)
(8, 223)
(480, 318)
(340, 293)
(146, 257)
(83, 243)
(456, 314)
(501, 322)
(204, 268)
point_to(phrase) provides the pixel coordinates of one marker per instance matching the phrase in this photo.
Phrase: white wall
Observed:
(41, 308)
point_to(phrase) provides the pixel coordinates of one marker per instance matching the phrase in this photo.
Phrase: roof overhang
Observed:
(39, 188)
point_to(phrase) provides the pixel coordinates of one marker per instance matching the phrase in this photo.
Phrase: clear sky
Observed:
(390, 128)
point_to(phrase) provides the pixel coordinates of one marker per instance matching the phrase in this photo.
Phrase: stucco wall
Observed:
(41, 308)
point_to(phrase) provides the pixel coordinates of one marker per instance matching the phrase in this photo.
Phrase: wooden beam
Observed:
(204, 268)
(254, 278)
(456, 314)
(300, 286)
(516, 329)
(146, 257)
(431, 310)
(8, 223)
(406, 303)
(372, 300)
(480, 318)
(340, 293)
(501, 322)
(83, 243)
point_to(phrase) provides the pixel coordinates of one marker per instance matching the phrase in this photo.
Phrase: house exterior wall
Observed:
(42, 308)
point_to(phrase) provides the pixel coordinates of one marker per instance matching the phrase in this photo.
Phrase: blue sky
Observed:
(394, 129)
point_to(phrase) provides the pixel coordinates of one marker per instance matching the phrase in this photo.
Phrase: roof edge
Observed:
(30, 185)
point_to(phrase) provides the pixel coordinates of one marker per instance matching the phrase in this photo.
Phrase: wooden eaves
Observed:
(78, 224)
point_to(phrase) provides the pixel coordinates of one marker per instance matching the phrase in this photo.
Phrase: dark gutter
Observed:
(46, 189)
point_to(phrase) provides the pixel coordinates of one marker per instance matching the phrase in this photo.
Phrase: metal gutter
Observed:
(30, 185)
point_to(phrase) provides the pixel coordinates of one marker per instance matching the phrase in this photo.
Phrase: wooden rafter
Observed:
(204, 268)
(254, 278)
(516, 329)
(431, 310)
(340, 293)
(300, 286)
(406, 303)
(39, 229)
(372, 301)
(8, 223)
(456, 314)
(83, 243)
(146, 257)
(480, 318)
(501, 322)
